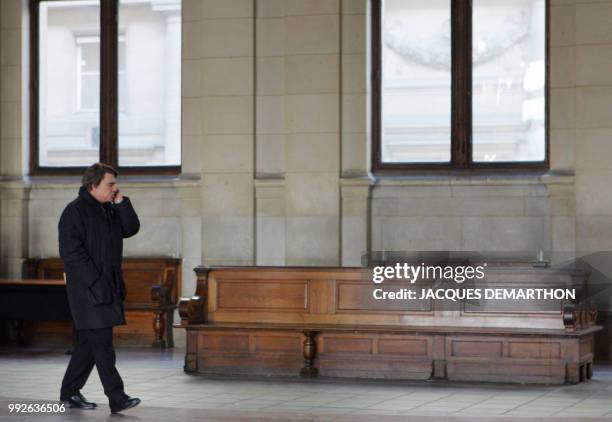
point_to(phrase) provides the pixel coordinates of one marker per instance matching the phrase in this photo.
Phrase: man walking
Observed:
(91, 232)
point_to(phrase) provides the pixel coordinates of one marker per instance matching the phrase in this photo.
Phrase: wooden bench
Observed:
(323, 321)
(152, 294)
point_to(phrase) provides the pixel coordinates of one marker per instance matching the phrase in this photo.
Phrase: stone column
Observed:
(270, 231)
(355, 219)
(14, 227)
(225, 39)
(562, 202)
(355, 134)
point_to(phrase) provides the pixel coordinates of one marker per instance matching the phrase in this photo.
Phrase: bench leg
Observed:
(589, 370)
(169, 324)
(191, 355)
(159, 326)
(309, 349)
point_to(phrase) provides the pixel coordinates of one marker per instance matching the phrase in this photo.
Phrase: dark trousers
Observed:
(93, 347)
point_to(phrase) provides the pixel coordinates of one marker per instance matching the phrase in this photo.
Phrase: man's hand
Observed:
(118, 197)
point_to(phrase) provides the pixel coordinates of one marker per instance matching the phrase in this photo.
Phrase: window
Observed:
(105, 85)
(459, 84)
(88, 73)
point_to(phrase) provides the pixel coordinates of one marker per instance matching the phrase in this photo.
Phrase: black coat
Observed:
(91, 246)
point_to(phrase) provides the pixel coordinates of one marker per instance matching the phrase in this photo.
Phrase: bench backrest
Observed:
(327, 295)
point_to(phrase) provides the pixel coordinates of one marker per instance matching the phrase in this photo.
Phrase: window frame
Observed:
(109, 107)
(461, 101)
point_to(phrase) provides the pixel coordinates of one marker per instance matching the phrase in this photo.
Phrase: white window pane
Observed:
(150, 83)
(508, 80)
(90, 92)
(416, 81)
(69, 80)
(90, 54)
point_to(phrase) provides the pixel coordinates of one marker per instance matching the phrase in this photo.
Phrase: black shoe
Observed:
(80, 402)
(126, 404)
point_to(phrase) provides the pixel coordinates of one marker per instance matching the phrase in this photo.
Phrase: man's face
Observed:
(106, 190)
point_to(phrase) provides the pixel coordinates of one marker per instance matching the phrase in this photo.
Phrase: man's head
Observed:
(100, 180)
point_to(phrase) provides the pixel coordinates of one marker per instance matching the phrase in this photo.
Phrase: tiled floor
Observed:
(169, 394)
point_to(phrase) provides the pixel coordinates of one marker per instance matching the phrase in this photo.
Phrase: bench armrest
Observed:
(192, 310)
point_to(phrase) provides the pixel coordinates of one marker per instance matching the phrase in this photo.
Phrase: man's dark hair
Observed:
(95, 173)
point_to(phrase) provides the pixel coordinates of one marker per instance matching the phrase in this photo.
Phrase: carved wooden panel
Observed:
(534, 350)
(403, 347)
(475, 348)
(258, 294)
(586, 346)
(269, 343)
(225, 342)
(138, 283)
(347, 345)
